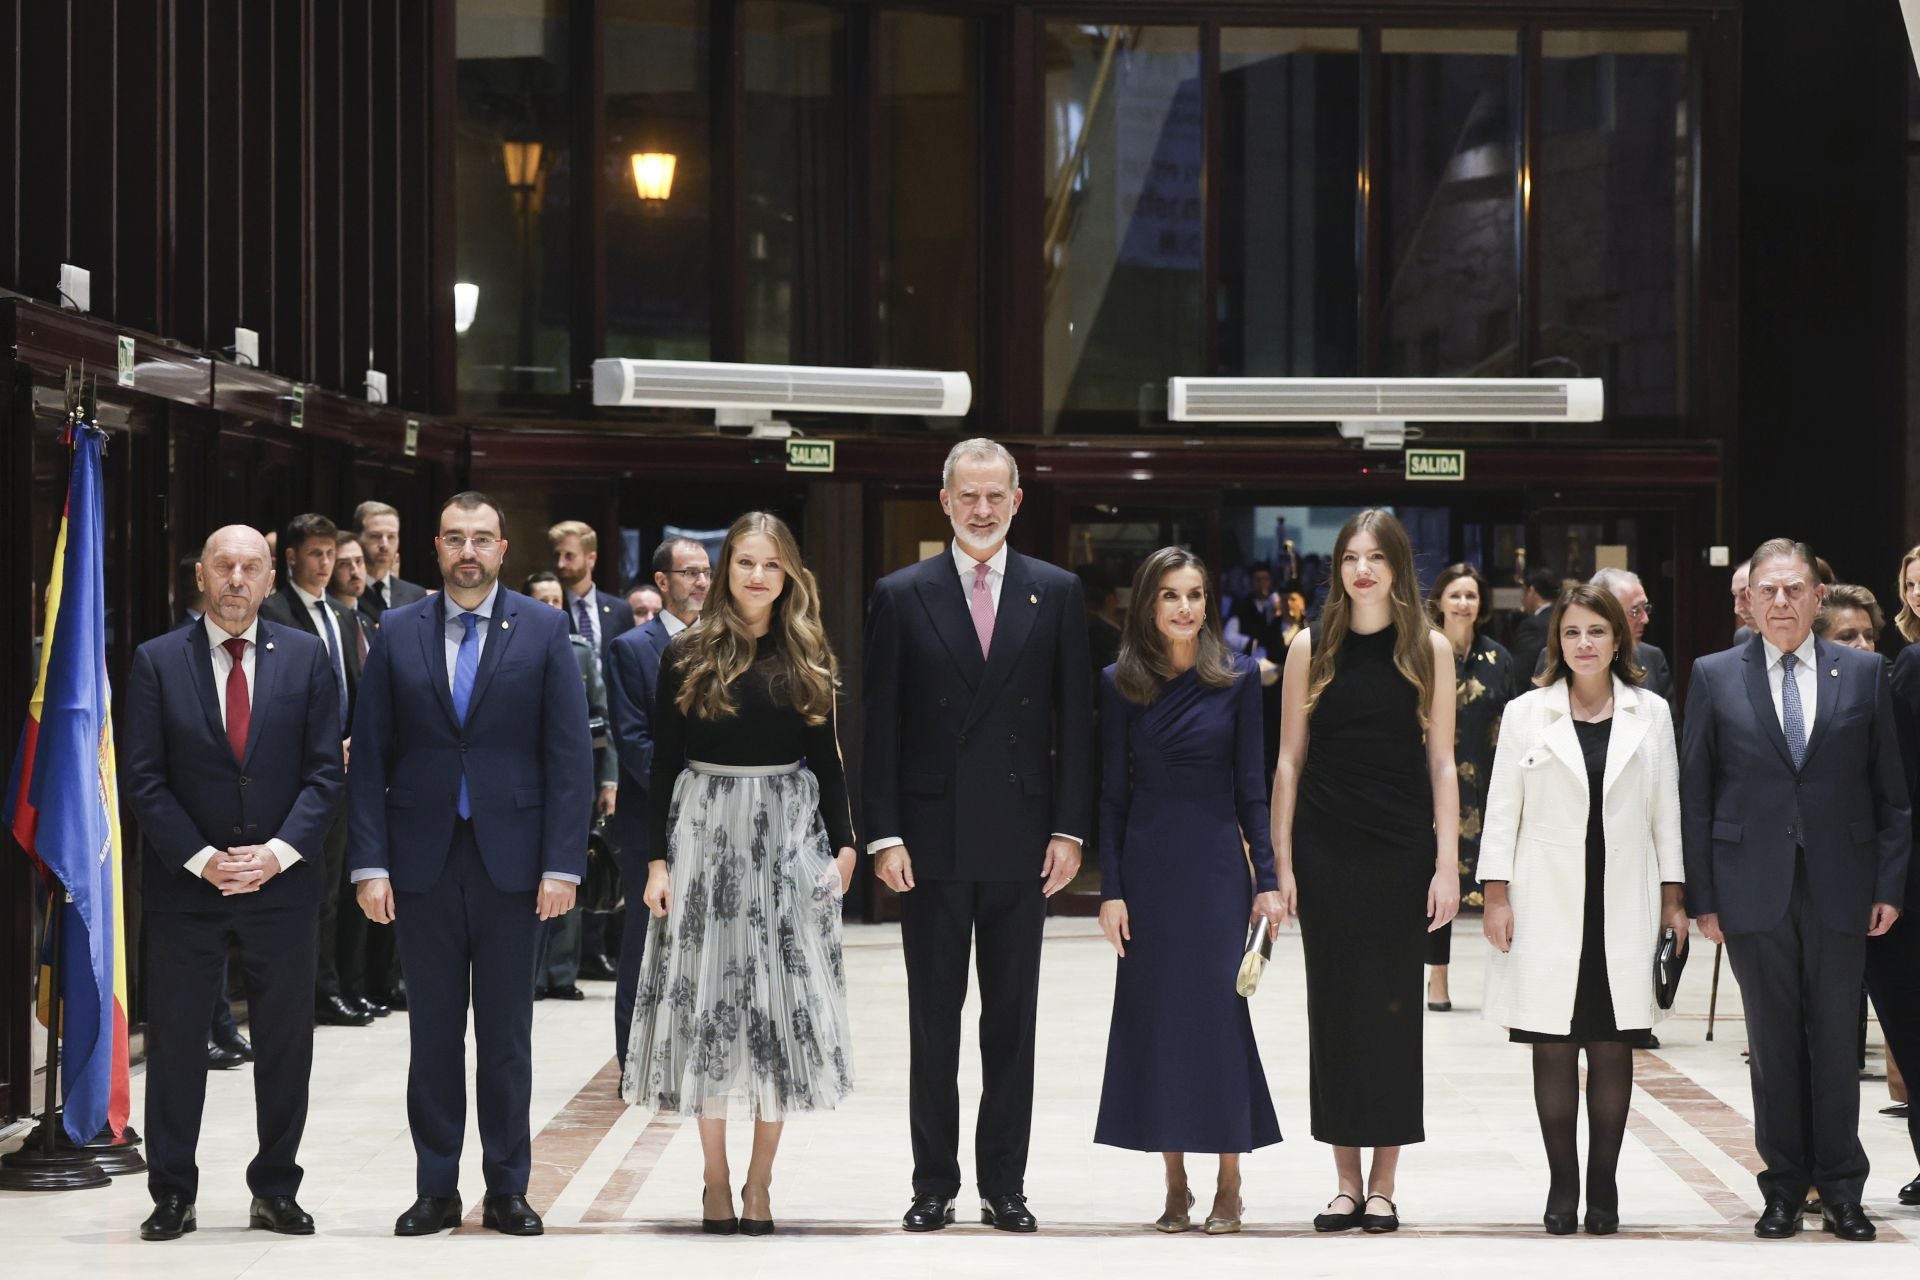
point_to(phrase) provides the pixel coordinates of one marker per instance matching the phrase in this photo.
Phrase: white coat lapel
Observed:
(1629, 730)
(1560, 735)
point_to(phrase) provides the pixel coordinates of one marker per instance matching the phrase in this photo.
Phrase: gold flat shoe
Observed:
(1225, 1226)
(1175, 1223)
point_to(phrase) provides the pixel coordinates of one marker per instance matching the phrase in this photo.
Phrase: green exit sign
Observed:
(1436, 464)
(809, 455)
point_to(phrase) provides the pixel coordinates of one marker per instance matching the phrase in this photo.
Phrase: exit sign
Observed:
(1436, 464)
(809, 455)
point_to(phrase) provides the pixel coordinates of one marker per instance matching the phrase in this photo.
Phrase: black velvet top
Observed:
(764, 729)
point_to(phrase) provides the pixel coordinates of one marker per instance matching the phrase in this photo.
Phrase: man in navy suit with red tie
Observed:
(231, 748)
(467, 806)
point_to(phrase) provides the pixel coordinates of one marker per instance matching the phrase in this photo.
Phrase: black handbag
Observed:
(601, 889)
(1668, 961)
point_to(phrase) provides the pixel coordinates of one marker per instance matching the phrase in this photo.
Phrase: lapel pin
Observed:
(1033, 599)
(269, 646)
(504, 624)
(1834, 672)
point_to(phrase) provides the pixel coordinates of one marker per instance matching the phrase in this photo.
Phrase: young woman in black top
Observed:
(741, 1007)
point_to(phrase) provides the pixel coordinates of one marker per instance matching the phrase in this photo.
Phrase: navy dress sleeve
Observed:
(1116, 784)
(1249, 778)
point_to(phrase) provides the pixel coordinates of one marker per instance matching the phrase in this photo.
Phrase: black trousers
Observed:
(1893, 979)
(186, 956)
(467, 943)
(633, 945)
(330, 960)
(1800, 983)
(940, 921)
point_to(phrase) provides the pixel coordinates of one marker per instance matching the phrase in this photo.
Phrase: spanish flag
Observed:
(63, 806)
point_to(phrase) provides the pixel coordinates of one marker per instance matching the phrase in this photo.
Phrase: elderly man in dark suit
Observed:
(979, 793)
(308, 547)
(682, 572)
(1797, 832)
(467, 808)
(231, 746)
(379, 526)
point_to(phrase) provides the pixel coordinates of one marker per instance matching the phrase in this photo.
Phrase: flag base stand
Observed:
(115, 1156)
(64, 1169)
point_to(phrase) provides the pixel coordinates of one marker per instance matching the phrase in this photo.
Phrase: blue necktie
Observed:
(1792, 719)
(332, 639)
(466, 665)
(585, 622)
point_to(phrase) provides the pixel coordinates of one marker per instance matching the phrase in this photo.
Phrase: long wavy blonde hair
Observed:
(717, 650)
(1908, 624)
(1412, 646)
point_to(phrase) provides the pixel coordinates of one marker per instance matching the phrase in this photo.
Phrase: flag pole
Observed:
(47, 1166)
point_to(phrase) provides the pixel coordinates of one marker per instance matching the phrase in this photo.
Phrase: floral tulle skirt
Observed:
(741, 1010)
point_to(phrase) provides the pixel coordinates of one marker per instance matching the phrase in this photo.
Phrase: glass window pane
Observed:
(1124, 222)
(1289, 271)
(927, 232)
(657, 179)
(1613, 208)
(511, 168)
(796, 184)
(1448, 284)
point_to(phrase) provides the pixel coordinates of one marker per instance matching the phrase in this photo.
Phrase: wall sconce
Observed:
(522, 160)
(466, 302)
(653, 176)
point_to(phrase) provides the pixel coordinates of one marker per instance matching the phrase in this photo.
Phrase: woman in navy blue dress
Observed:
(1186, 861)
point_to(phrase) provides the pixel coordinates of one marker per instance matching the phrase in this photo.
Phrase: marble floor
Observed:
(620, 1194)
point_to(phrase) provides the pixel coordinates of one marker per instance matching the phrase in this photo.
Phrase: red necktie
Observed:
(239, 708)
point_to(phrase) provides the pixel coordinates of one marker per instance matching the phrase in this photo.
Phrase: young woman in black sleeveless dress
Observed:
(1366, 824)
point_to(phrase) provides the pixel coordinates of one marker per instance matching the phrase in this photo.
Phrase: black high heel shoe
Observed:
(1559, 1224)
(753, 1226)
(715, 1226)
(1602, 1222)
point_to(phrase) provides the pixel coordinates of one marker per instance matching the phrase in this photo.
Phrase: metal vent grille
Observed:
(1334, 400)
(877, 390)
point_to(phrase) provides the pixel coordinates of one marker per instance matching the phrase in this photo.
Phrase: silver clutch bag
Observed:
(1254, 963)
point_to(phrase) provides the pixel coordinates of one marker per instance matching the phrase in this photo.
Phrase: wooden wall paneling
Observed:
(253, 97)
(225, 180)
(385, 287)
(283, 345)
(142, 143)
(40, 148)
(90, 146)
(415, 77)
(326, 245)
(354, 280)
(437, 163)
(9, 204)
(185, 238)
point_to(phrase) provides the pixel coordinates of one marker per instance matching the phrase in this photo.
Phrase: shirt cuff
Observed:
(560, 875)
(878, 846)
(368, 873)
(1061, 835)
(197, 864)
(287, 854)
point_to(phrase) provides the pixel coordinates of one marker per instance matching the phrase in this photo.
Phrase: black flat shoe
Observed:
(1380, 1223)
(1780, 1220)
(1602, 1222)
(281, 1215)
(172, 1218)
(928, 1213)
(510, 1215)
(1910, 1194)
(1848, 1221)
(1559, 1224)
(428, 1215)
(1331, 1221)
(1007, 1213)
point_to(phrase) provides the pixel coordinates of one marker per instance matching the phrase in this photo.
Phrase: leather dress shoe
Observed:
(1780, 1220)
(1848, 1221)
(427, 1215)
(1007, 1213)
(221, 1058)
(281, 1215)
(1910, 1194)
(1899, 1110)
(373, 1007)
(540, 993)
(234, 1042)
(598, 968)
(568, 992)
(332, 1011)
(928, 1213)
(395, 999)
(172, 1218)
(510, 1215)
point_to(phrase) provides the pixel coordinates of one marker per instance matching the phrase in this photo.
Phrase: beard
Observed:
(974, 541)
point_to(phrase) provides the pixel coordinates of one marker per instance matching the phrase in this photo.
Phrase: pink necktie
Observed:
(981, 603)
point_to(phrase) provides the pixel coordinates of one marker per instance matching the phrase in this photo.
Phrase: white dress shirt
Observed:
(996, 576)
(671, 622)
(454, 632)
(222, 668)
(1806, 675)
(331, 633)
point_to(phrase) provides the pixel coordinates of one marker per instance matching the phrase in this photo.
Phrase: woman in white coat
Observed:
(1582, 868)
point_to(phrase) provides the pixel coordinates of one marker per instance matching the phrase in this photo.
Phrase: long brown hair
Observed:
(1448, 576)
(1144, 668)
(1585, 595)
(717, 650)
(1905, 620)
(1412, 646)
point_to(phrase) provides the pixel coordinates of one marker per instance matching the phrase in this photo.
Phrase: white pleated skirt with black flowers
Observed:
(741, 1009)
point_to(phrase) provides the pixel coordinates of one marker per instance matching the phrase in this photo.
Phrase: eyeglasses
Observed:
(693, 575)
(456, 542)
(1641, 612)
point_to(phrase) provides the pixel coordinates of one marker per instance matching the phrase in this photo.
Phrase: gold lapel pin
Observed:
(1033, 599)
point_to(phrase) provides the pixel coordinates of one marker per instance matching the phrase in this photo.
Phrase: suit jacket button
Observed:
(463, 746)
(244, 780)
(236, 831)
(1013, 739)
(1024, 701)
(963, 739)
(1013, 779)
(943, 702)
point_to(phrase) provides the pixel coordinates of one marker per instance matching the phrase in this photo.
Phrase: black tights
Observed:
(1556, 1095)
